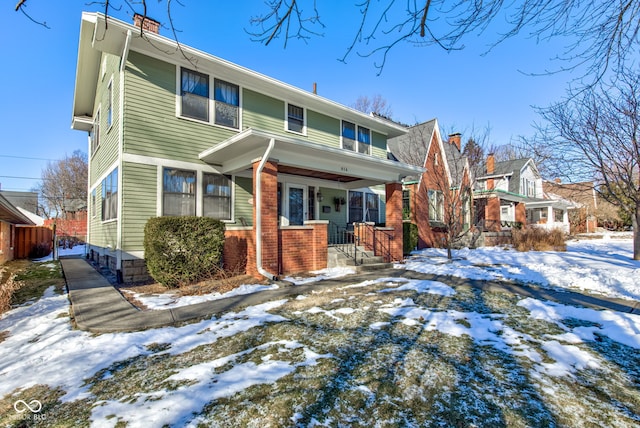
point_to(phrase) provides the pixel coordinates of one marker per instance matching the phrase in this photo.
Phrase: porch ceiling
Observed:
(300, 157)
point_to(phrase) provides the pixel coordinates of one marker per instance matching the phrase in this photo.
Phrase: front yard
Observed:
(387, 352)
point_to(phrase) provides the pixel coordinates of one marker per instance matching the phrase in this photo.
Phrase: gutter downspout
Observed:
(258, 208)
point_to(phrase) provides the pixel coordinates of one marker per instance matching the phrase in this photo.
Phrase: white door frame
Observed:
(305, 202)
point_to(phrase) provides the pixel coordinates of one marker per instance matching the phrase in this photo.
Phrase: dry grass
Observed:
(537, 239)
(224, 283)
(24, 281)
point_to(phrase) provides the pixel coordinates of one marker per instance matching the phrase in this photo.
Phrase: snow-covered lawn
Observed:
(383, 352)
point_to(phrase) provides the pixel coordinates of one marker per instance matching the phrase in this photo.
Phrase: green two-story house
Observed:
(176, 131)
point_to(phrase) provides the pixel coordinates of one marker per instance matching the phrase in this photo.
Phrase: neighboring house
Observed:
(176, 131)
(438, 201)
(511, 193)
(591, 210)
(10, 217)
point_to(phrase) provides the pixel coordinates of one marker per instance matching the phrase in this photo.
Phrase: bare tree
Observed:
(596, 135)
(64, 185)
(600, 35)
(377, 105)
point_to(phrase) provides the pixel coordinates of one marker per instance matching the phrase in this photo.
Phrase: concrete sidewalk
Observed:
(98, 307)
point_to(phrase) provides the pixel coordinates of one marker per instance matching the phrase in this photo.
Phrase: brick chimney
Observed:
(146, 23)
(491, 163)
(455, 139)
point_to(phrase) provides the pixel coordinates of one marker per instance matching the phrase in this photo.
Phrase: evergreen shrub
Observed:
(409, 237)
(183, 250)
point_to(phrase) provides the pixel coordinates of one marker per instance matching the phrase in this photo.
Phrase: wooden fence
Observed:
(33, 241)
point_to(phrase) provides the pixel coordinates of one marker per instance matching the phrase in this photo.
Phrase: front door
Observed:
(295, 205)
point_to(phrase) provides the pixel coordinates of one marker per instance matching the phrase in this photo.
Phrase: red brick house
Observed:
(439, 200)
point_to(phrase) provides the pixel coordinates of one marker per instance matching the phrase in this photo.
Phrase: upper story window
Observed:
(356, 138)
(528, 188)
(94, 133)
(194, 91)
(227, 103)
(110, 196)
(178, 192)
(295, 118)
(109, 104)
(216, 190)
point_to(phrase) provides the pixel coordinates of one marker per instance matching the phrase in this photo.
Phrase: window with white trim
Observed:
(178, 192)
(194, 93)
(94, 133)
(356, 138)
(436, 205)
(295, 118)
(216, 191)
(227, 103)
(109, 103)
(364, 140)
(110, 196)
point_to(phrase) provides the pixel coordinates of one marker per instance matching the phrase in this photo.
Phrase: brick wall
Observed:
(394, 218)
(240, 251)
(269, 212)
(303, 248)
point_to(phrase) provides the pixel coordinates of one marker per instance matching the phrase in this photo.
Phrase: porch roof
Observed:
(12, 214)
(554, 203)
(300, 157)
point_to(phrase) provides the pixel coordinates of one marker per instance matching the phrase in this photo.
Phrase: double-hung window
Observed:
(227, 103)
(216, 190)
(94, 134)
(110, 196)
(436, 206)
(179, 192)
(356, 138)
(364, 140)
(109, 104)
(295, 118)
(348, 136)
(194, 91)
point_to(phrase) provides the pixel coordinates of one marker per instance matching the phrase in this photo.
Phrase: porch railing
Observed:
(344, 240)
(375, 239)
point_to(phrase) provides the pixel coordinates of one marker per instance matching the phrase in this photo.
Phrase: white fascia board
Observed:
(113, 39)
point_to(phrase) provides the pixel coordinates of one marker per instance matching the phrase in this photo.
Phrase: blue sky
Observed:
(463, 89)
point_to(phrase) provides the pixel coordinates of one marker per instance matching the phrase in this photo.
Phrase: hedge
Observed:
(409, 237)
(183, 250)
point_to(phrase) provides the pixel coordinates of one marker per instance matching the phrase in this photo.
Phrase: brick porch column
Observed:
(521, 213)
(269, 212)
(492, 214)
(394, 218)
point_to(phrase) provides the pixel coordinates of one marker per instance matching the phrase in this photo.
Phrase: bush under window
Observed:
(183, 250)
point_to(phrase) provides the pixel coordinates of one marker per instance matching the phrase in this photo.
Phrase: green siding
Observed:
(151, 125)
(107, 152)
(337, 217)
(378, 145)
(262, 112)
(243, 196)
(323, 129)
(138, 204)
